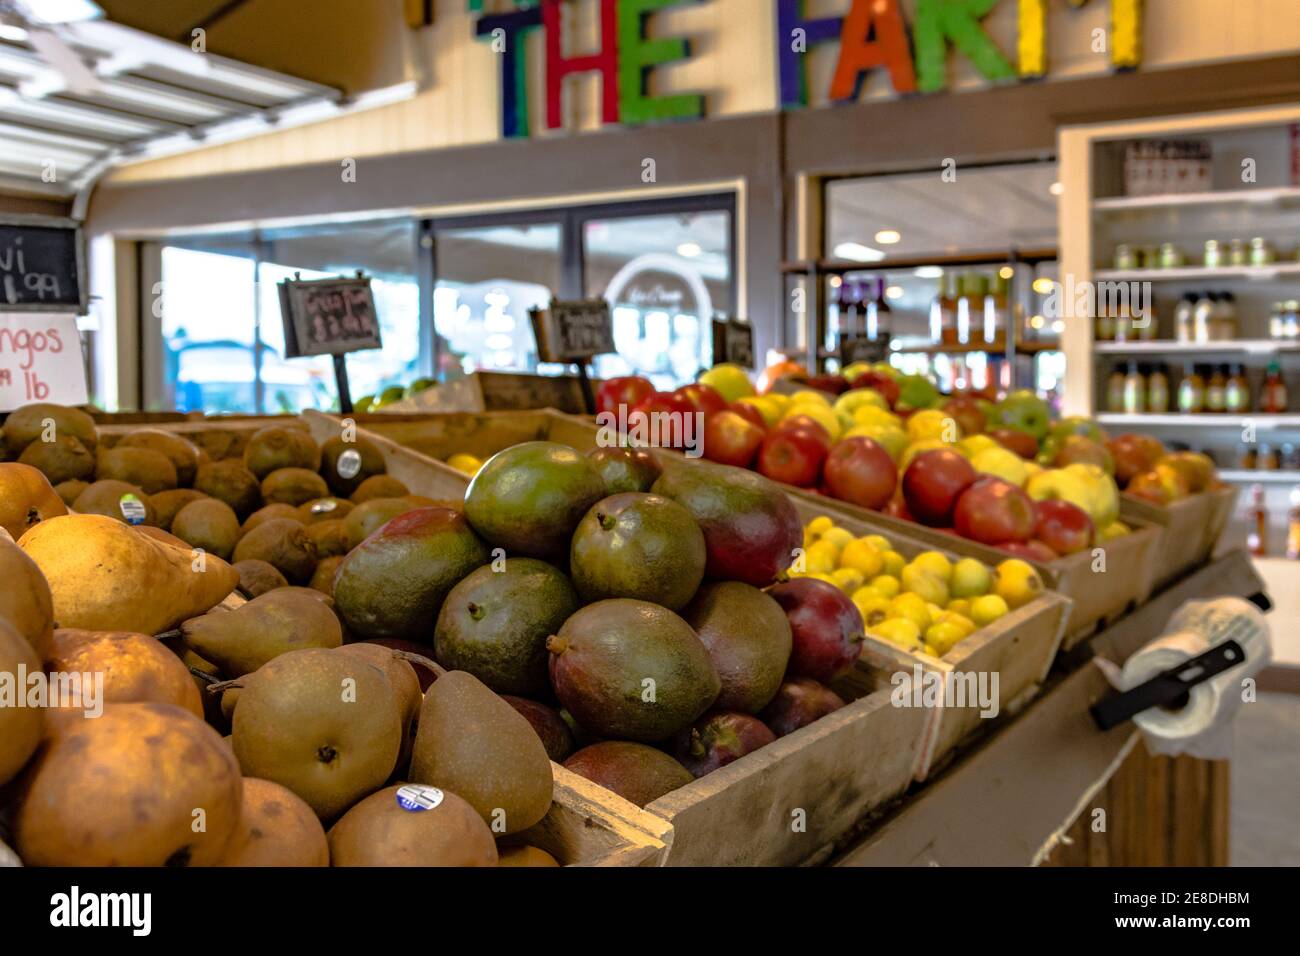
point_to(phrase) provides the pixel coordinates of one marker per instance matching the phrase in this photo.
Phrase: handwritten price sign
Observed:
(40, 360)
(42, 265)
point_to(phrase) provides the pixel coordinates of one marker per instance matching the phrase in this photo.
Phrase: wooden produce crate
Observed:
(433, 479)
(782, 805)
(220, 437)
(1191, 528)
(589, 826)
(497, 392)
(1019, 648)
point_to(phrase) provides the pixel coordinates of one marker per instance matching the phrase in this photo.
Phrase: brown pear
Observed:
(128, 789)
(25, 601)
(401, 676)
(20, 725)
(242, 640)
(474, 744)
(412, 825)
(26, 498)
(276, 828)
(136, 667)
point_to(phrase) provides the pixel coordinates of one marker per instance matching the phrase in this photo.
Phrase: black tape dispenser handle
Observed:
(1169, 687)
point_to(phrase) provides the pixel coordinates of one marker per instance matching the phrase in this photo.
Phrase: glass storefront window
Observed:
(666, 277)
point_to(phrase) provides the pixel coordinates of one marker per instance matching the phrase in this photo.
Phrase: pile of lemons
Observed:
(927, 604)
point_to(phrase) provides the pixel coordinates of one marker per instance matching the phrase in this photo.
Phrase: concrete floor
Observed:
(1266, 783)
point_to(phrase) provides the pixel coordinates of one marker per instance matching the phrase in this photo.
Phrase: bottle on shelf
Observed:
(1135, 390)
(1291, 320)
(1203, 316)
(1191, 391)
(1293, 526)
(1216, 391)
(1184, 327)
(1236, 396)
(1223, 321)
(1269, 459)
(1115, 390)
(996, 315)
(1257, 539)
(1158, 390)
(1272, 394)
(1276, 321)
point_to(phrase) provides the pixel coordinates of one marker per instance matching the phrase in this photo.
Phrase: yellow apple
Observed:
(972, 445)
(770, 410)
(1056, 483)
(891, 438)
(730, 381)
(1105, 493)
(1006, 465)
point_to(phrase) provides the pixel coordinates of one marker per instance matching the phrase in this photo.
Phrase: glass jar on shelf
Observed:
(1236, 397)
(1171, 257)
(1184, 311)
(1115, 390)
(1191, 391)
(1213, 255)
(1262, 252)
(1126, 258)
(1238, 253)
(1158, 390)
(1203, 317)
(1223, 320)
(1216, 389)
(1135, 390)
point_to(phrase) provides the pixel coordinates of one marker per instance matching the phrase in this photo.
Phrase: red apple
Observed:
(793, 456)
(804, 423)
(992, 510)
(731, 439)
(1026, 446)
(826, 628)
(897, 508)
(860, 471)
(1160, 486)
(627, 390)
(1063, 527)
(965, 411)
(932, 483)
(1079, 449)
(1029, 550)
(1133, 454)
(880, 382)
(834, 384)
(749, 412)
(703, 398)
(647, 418)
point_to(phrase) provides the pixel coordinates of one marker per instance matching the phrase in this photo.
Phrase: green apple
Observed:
(1077, 425)
(970, 578)
(916, 391)
(1007, 465)
(851, 401)
(1025, 412)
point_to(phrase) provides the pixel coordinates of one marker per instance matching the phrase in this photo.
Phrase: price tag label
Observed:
(417, 797)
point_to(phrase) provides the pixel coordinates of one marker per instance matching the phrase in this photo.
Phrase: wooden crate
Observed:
(220, 437)
(421, 475)
(1191, 528)
(782, 805)
(1019, 648)
(497, 392)
(589, 826)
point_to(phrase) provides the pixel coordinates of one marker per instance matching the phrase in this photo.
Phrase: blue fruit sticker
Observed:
(417, 797)
(132, 509)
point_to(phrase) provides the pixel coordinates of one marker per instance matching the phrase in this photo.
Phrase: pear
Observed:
(20, 726)
(25, 601)
(412, 826)
(276, 828)
(476, 745)
(279, 621)
(326, 725)
(401, 677)
(106, 576)
(136, 667)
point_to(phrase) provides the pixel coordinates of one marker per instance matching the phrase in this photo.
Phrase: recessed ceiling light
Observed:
(10, 32)
(689, 250)
(1006, 272)
(1044, 285)
(1056, 189)
(836, 282)
(62, 11)
(857, 252)
(888, 237)
(894, 292)
(929, 272)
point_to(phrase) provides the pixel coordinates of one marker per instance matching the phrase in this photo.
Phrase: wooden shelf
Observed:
(1167, 346)
(1218, 197)
(1022, 348)
(840, 266)
(1250, 476)
(1175, 419)
(1278, 270)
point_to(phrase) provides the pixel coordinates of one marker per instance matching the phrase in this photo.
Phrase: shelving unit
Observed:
(1268, 273)
(1178, 420)
(1166, 347)
(1244, 476)
(1264, 196)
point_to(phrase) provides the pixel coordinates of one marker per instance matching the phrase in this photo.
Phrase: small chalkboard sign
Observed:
(42, 265)
(575, 331)
(733, 342)
(859, 348)
(328, 316)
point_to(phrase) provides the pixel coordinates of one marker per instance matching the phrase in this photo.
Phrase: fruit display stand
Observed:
(784, 804)
(1028, 795)
(1189, 529)
(1019, 648)
(220, 437)
(1099, 597)
(589, 826)
(495, 392)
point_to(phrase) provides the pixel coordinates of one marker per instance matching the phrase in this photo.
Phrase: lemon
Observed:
(899, 632)
(821, 556)
(959, 620)
(886, 584)
(936, 563)
(819, 526)
(838, 537)
(931, 589)
(465, 463)
(860, 555)
(893, 563)
(959, 606)
(912, 607)
(942, 637)
(1016, 582)
(848, 580)
(970, 578)
(932, 423)
(879, 542)
(987, 609)
(871, 604)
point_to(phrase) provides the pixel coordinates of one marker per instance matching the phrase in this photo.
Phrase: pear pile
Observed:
(205, 702)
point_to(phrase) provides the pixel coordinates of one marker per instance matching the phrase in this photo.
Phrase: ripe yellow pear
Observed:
(107, 576)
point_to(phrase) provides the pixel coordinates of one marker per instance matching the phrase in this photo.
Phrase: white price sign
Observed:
(40, 360)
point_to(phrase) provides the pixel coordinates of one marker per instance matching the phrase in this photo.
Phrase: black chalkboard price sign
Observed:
(574, 331)
(329, 317)
(733, 341)
(42, 265)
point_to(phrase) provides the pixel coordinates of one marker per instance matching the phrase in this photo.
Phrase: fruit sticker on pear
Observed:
(132, 509)
(349, 464)
(418, 798)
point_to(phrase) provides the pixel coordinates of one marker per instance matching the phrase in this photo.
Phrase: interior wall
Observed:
(15, 205)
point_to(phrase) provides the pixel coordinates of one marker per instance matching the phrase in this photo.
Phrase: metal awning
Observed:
(126, 94)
